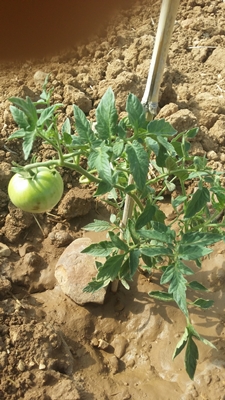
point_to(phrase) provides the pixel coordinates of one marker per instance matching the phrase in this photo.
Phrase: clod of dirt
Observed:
(15, 223)
(120, 344)
(182, 120)
(60, 238)
(5, 287)
(74, 270)
(77, 202)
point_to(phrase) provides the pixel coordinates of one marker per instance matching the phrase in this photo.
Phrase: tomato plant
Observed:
(37, 190)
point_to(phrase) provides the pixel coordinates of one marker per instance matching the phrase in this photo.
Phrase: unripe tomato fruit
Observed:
(38, 193)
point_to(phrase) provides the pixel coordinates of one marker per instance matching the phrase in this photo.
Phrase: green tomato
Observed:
(39, 192)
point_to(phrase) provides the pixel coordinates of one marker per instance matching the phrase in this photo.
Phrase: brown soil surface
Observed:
(48, 343)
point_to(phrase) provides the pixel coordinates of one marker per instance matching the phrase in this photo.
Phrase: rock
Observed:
(120, 344)
(75, 270)
(39, 78)
(60, 238)
(4, 250)
(102, 344)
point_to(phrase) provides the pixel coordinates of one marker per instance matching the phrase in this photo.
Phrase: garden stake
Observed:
(163, 36)
(150, 98)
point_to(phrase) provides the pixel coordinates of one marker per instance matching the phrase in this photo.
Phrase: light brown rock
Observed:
(74, 270)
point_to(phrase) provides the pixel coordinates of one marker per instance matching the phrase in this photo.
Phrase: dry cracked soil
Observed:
(50, 347)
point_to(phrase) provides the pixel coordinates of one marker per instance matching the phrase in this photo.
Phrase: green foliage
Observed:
(143, 160)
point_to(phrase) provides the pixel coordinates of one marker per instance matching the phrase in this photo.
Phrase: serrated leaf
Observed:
(161, 127)
(199, 199)
(181, 344)
(28, 141)
(188, 252)
(194, 333)
(83, 126)
(178, 200)
(197, 286)
(202, 303)
(191, 133)
(156, 251)
(47, 114)
(103, 187)
(111, 268)
(146, 216)
(158, 232)
(20, 133)
(184, 269)
(139, 163)
(95, 285)
(152, 145)
(28, 108)
(160, 295)
(118, 148)
(134, 261)
(117, 242)
(167, 275)
(167, 145)
(178, 289)
(99, 160)
(136, 112)
(101, 249)
(191, 357)
(201, 238)
(66, 127)
(19, 117)
(97, 226)
(106, 116)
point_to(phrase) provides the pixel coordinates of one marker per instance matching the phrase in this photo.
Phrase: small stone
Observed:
(26, 248)
(120, 344)
(39, 78)
(74, 270)
(212, 155)
(102, 344)
(4, 250)
(94, 342)
(42, 366)
(21, 366)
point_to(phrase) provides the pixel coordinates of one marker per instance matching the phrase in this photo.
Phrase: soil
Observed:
(50, 347)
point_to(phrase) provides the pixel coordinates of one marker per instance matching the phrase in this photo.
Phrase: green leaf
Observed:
(160, 295)
(156, 251)
(161, 127)
(47, 114)
(101, 249)
(191, 357)
(99, 160)
(199, 199)
(146, 216)
(191, 133)
(20, 133)
(83, 126)
(167, 274)
(103, 187)
(160, 232)
(187, 252)
(111, 268)
(178, 200)
(28, 141)
(152, 145)
(28, 108)
(134, 261)
(201, 238)
(139, 163)
(167, 145)
(184, 269)
(171, 163)
(118, 148)
(133, 233)
(117, 242)
(181, 344)
(202, 303)
(97, 226)
(136, 112)
(197, 286)
(106, 116)
(95, 285)
(19, 117)
(194, 333)
(178, 289)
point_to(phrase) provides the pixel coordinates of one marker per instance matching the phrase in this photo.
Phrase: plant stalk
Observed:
(163, 36)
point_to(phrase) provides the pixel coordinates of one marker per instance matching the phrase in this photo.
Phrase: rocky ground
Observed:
(50, 347)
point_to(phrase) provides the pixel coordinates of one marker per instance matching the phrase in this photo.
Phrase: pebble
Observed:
(21, 366)
(74, 270)
(120, 344)
(102, 344)
(60, 238)
(4, 250)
